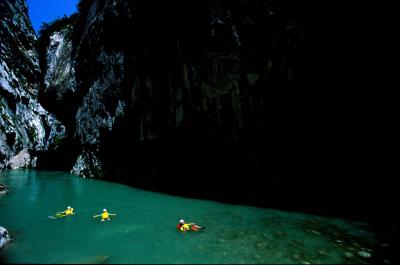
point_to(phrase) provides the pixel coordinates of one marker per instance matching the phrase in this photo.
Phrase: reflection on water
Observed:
(144, 229)
(34, 187)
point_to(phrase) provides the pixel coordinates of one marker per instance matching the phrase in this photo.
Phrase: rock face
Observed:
(58, 70)
(21, 160)
(60, 74)
(3, 189)
(24, 123)
(200, 91)
(195, 90)
(4, 237)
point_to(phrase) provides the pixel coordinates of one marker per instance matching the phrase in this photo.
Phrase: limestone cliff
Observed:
(25, 126)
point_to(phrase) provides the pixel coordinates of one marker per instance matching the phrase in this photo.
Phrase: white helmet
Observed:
(69, 207)
(104, 210)
(181, 221)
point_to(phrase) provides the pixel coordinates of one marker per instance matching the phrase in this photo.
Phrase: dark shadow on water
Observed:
(352, 186)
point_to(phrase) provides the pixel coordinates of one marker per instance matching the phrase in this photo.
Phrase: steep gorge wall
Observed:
(221, 99)
(25, 126)
(168, 84)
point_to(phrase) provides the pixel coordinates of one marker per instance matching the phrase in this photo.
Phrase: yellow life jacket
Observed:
(69, 211)
(185, 227)
(105, 215)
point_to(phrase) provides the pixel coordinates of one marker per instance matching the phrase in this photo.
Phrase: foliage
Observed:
(48, 28)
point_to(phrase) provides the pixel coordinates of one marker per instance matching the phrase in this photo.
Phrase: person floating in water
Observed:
(69, 211)
(105, 215)
(182, 226)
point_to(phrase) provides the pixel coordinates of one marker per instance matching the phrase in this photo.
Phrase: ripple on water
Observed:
(144, 230)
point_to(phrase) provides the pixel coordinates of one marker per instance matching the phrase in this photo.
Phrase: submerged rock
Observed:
(3, 189)
(364, 254)
(99, 259)
(4, 237)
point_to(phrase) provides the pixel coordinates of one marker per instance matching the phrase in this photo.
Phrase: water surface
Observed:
(144, 230)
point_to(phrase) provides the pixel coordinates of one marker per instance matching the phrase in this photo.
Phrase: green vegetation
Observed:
(49, 28)
(31, 133)
(57, 141)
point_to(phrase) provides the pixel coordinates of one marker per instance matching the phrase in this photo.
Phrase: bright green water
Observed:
(144, 231)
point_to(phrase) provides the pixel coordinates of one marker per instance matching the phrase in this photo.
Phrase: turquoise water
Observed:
(144, 230)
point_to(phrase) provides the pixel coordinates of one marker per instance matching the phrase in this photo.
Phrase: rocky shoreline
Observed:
(3, 189)
(4, 237)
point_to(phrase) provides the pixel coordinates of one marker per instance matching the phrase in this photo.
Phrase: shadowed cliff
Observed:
(240, 101)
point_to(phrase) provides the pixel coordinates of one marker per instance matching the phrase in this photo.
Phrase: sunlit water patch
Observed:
(144, 230)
